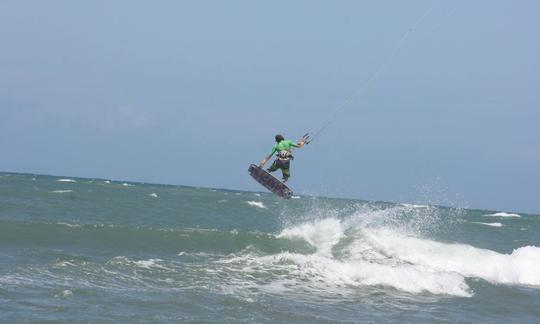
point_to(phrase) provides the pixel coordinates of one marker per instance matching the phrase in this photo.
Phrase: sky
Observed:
(192, 92)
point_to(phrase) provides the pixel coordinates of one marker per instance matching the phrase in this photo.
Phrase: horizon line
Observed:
(264, 192)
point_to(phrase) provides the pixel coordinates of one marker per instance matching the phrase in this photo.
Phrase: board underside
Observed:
(270, 182)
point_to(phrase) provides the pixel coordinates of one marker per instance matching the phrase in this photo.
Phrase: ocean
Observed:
(96, 250)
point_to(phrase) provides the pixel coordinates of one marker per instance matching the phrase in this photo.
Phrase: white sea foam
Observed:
(153, 195)
(321, 234)
(519, 267)
(65, 264)
(145, 264)
(107, 181)
(150, 264)
(66, 180)
(295, 197)
(361, 267)
(66, 293)
(503, 214)
(324, 272)
(258, 204)
(348, 253)
(127, 185)
(489, 224)
(62, 191)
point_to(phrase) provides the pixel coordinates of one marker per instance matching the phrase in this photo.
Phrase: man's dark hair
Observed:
(279, 138)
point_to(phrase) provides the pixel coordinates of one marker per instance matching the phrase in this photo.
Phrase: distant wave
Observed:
(66, 180)
(489, 224)
(503, 214)
(69, 225)
(61, 191)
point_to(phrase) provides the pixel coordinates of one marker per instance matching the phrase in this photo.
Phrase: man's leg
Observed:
(286, 174)
(273, 167)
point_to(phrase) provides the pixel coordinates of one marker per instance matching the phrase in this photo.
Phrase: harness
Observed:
(283, 159)
(285, 156)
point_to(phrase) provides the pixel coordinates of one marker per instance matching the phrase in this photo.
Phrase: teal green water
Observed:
(92, 250)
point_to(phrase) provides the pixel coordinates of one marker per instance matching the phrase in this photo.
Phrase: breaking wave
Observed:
(366, 249)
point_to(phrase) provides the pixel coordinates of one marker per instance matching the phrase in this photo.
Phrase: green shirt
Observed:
(284, 145)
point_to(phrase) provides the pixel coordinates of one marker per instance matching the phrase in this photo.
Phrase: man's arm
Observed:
(297, 145)
(263, 162)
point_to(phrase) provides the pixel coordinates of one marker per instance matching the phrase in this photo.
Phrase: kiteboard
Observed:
(269, 181)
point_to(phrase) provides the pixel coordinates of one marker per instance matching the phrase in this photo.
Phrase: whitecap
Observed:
(68, 224)
(66, 180)
(149, 264)
(153, 195)
(65, 264)
(64, 294)
(61, 191)
(503, 214)
(258, 204)
(489, 224)
(127, 185)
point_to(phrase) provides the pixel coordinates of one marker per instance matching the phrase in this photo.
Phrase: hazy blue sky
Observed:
(192, 92)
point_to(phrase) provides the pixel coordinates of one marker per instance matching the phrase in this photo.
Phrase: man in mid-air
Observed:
(283, 148)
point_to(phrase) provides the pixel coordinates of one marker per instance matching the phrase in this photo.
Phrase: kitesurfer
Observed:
(283, 148)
